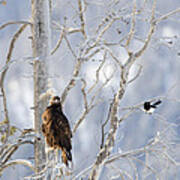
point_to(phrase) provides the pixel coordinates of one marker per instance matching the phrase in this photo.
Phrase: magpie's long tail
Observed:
(157, 103)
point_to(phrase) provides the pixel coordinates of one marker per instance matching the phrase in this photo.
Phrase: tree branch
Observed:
(81, 15)
(15, 22)
(17, 162)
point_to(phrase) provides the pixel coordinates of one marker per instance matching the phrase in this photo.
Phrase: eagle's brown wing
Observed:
(62, 131)
(63, 135)
(46, 128)
(57, 132)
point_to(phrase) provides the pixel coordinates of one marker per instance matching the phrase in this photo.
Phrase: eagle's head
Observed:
(55, 100)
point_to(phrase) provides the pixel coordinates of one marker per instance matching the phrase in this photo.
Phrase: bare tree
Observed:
(100, 52)
(41, 49)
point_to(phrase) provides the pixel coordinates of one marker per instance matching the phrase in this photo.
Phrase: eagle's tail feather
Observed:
(69, 156)
(66, 156)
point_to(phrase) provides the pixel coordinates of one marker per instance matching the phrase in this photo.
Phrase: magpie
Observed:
(149, 108)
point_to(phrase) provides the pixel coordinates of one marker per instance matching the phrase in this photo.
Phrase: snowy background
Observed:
(160, 76)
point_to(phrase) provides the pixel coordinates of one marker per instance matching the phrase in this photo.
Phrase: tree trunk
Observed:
(41, 50)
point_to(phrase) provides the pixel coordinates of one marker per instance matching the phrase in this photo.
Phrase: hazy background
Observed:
(159, 77)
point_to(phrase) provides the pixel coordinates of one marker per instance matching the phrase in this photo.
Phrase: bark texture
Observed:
(41, 50)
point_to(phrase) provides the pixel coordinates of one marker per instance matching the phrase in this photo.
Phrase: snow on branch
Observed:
(15, 22)
(17, 162)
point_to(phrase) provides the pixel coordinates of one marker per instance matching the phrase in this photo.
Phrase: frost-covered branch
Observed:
(2, 78)
(137, 75)
(109, 143)
(97, 73)
(17, 162)
(15, 22)
(72, 82)
(132, 30)
(165, 16)
(105, 46)
(10, 51)
(94, 101)
(114, 123)
(150, 33)
(8, 149)
(59, 41)
(81, 16)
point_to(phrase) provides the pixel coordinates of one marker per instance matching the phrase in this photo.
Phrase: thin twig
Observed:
(11, 150)
(103, 126)
(81, 15)
(84, 93)
(97, 73)
(99, 37)
(10, 51)
(165, 16)
(151, 31)
(86, 111)
(137, 75)
(15, 22)
(69, 46)
(17, 162)
(72, 82)
(59, 41)
(132, 30)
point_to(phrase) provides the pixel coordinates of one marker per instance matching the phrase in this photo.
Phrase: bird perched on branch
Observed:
(149, 108)
(56, 129)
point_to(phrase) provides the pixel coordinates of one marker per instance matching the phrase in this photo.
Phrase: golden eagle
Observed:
(56, 129)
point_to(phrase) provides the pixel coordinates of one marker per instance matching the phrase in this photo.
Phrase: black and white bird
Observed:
(149, 107)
